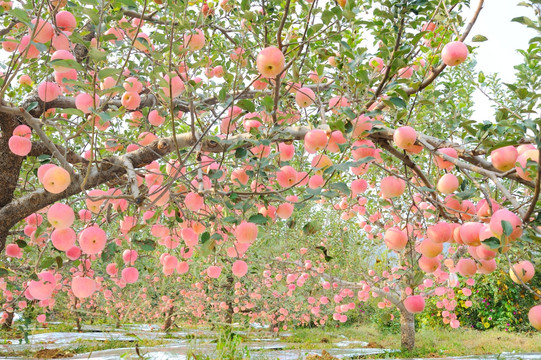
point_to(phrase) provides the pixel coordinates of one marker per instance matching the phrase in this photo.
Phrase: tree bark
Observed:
(169, 319)
(407, 330)
(9, 321)
(10, 165)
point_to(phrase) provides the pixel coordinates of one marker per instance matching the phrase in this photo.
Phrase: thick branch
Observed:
(115, 167)
(39, 148)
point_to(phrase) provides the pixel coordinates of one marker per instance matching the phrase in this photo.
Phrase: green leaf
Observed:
(42, 48)
(67, 63)
(109, 251)
(207, 247)
(350, 114)
(21, 243)
(44, 158)
(314, 29)
(481, 77)
(311, 227)
(204, 237)
(97, 55)
(507, 227)
(92, 14)
(146, 245)
(330, 194)
(32, 106)
(216, 174)
(523, 20)
(268, 103)
(102, 74)
(137, 228)
(418, 277)
(258, 219)
(230, 220)
(47, 262)
(479, 38)
(323, 249)
(241, 153)
(398, 102)
(20, 15)
(340, 186)
(129, 3)
(217, 237)
(466, 194)
(76, 112)
(522, 93)
(337, 124)
(327, 16)
(247, 105)
(492, 242)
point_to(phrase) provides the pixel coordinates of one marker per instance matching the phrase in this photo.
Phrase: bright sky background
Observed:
(498, 54)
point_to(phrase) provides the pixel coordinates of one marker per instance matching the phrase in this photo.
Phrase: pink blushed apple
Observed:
(305, 97)
(48, 91)
(239, 268)
(522, 272)
(395, 239)
(454, 53)
(414, 304)
(83, 287)
(56, 180)
(92, 240)
(84, 102)
(404, 137)
(504, 158)
(19, 145)
(65, 21)
(130, 275)
(270, 62)
(60, 216)
(392, 187)
(246, 232)
(447, 184)
(534, 315)
(63, 239)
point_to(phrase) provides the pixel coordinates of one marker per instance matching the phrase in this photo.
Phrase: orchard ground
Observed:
(349, 340)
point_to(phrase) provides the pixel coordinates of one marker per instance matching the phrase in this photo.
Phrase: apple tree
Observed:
(172, 134)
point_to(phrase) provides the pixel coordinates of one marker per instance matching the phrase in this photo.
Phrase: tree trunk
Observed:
(230, 305)
(407, 330)
(9, 321)
(10, 165)
(77, 315)
(168, 319)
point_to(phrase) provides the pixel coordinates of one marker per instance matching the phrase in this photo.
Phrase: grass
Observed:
(429, 343)
(82, 346)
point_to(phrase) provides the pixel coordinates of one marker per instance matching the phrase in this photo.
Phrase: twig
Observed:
(526, 217)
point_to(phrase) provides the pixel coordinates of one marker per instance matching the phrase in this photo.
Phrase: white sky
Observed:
(498, 54)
